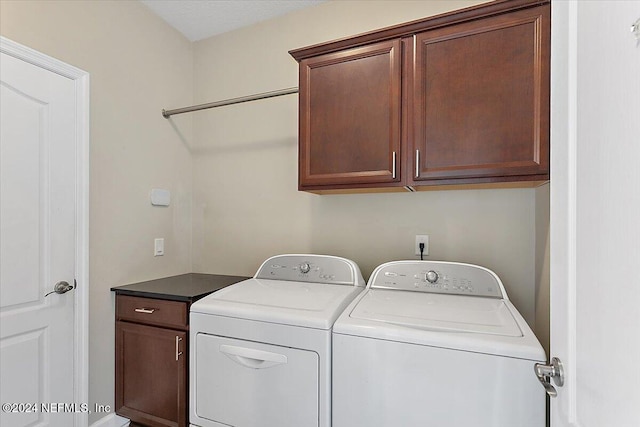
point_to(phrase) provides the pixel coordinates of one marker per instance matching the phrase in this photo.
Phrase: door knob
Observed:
(546, 372)
(61, 288)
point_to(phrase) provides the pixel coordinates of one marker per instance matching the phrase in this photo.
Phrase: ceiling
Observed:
(199, 19)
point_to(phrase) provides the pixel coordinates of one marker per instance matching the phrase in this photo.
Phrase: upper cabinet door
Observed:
(480, 107)
(349, 120)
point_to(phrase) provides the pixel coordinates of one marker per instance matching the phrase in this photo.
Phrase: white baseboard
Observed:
(111, 420)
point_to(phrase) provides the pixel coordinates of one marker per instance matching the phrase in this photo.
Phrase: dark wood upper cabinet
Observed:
(480, 110)
(350, 116)
(456, 99)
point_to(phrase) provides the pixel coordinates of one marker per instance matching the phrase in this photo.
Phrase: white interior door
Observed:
(37, 245)
(595, 213)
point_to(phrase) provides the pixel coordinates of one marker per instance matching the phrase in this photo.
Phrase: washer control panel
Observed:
(438, 277)
(311, 268)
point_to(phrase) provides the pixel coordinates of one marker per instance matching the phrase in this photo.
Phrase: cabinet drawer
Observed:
(152, 311)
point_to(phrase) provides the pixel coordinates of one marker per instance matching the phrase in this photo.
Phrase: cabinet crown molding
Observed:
(479, 11)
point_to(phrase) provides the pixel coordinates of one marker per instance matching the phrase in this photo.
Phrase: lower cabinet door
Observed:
(151, 374)
(249, 384)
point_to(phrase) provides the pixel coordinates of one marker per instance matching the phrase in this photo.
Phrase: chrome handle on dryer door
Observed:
(178, 353)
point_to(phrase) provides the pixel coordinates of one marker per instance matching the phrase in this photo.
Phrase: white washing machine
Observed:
(435, 344)
(261, 348)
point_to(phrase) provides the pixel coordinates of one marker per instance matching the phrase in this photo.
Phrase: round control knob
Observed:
(305, 267)
(431, 276)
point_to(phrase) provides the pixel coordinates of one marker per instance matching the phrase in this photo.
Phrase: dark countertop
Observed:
(185, 287)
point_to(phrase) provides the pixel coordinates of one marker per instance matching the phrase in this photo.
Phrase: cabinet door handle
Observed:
(178, 353)
(417, 163)
(393, 167)
(145, 310)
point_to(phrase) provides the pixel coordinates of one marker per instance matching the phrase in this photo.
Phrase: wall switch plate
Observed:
(422, 238)
(158, 247)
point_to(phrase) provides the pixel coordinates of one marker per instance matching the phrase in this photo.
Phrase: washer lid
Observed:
(437, 312)
(312, 305)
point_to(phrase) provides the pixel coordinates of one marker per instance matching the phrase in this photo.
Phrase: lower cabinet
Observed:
(152, 361)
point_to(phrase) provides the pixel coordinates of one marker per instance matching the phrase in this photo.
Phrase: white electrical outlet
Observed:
(422, 238)
(158, 247)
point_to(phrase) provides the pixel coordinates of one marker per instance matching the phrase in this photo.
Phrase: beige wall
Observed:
(138, 65)
(246, 204)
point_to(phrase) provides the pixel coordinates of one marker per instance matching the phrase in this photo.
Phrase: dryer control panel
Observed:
(438, 277)
(311, 268)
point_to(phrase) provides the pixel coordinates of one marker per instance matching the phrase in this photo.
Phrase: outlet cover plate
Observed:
(422, 238)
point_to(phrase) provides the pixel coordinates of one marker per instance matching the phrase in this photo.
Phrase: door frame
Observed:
(563, 205)
(81, 294)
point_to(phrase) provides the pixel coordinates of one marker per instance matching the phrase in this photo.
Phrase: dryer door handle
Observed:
(252, 358)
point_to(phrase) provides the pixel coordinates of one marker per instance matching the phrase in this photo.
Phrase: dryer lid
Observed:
(437, 312)
(311, 305)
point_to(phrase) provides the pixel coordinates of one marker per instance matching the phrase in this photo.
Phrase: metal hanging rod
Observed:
(168, 113)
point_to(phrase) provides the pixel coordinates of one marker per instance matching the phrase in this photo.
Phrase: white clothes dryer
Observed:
(435, 344)
(261, 349)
